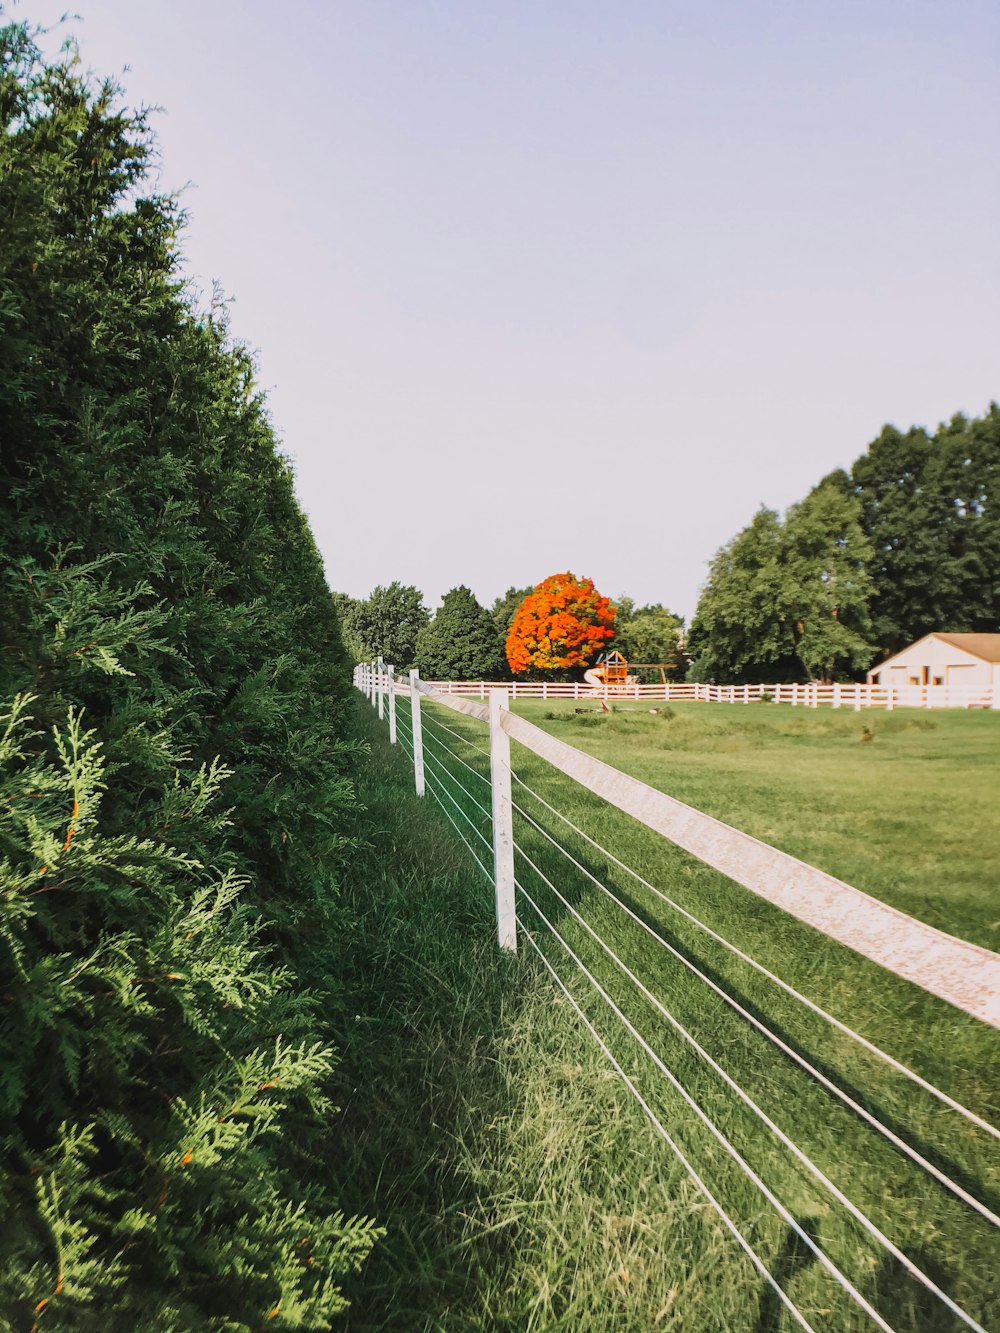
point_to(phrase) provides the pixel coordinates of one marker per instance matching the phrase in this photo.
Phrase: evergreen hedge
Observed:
(175, 770)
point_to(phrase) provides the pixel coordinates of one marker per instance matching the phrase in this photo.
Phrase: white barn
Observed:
(966, 662)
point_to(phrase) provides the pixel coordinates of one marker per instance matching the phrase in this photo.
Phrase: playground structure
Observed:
(609, 676)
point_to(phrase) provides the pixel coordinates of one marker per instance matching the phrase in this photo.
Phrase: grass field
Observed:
(911, 816)
(528, 1188)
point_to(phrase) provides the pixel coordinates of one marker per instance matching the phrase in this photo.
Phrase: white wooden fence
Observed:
(811, 695)
(964, 974)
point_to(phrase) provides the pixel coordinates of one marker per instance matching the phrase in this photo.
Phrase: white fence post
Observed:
(418, 734)
(503, 826)
(380, 686)
(391, 673)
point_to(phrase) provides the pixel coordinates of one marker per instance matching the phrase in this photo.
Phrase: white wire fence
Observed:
(721, 1053)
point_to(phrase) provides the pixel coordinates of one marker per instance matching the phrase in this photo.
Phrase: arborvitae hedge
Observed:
(175, 770)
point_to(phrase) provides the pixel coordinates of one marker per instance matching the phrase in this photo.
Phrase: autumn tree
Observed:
(564, 622)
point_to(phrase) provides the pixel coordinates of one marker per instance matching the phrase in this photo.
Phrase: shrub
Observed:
(175, 768)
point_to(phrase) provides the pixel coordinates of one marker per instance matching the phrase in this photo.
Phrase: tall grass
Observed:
(523, 1186)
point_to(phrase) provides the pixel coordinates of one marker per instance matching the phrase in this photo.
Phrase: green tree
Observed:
(387, 623)
(460, 643)
(930, 505)
(825, 586)
(787, 600)
(649, 634)
(738, 632)
(347, 609)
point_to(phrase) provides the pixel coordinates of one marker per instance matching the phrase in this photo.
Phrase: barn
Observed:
(960, 662)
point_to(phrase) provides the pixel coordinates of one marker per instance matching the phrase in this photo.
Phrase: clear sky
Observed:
(540, 285)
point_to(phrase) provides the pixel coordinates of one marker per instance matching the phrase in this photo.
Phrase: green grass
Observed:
(910, 816)
(522, 1186)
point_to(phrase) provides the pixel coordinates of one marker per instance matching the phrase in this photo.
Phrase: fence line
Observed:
(801, 1157)
(848, 694)
(964, 974)
(945, 962)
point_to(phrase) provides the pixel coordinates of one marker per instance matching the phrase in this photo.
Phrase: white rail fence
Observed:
(812, 695)
(965, 975)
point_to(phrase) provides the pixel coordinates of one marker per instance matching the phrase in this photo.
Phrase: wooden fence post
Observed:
(418, 733)
(391, 673)
(503, 827)
(380, 686)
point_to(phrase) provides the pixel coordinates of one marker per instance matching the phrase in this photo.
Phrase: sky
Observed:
(548, 286)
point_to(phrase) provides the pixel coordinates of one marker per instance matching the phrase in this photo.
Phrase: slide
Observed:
(595, 677)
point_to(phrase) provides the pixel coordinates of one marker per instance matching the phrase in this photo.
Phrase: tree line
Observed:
(903, 543)
(559, 626)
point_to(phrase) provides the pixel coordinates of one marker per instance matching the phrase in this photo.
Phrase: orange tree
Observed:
(563, 622)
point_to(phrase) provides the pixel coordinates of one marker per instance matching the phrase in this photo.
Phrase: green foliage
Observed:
(385, 625)
(176, 767)
(826, 587)
(906, 544)
(737, 633)
(787, 599)
(649, 634)
(460, 643)
(930, 506)
(346, 608)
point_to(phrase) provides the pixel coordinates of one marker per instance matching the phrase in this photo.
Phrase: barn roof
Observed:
(986, 646)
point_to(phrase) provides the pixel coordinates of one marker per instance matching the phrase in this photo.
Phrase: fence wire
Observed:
(442, 782)
(801, 1157)
(890, 1135)
(741, 1240)
(842, 1027)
